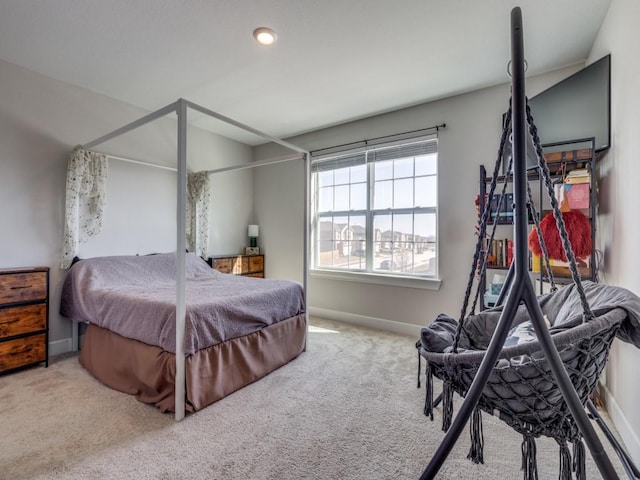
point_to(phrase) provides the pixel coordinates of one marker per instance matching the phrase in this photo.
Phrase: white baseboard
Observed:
(59, 347)
(629, 438)
(366, 321)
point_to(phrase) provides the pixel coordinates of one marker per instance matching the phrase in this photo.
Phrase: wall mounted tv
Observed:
(577, 107)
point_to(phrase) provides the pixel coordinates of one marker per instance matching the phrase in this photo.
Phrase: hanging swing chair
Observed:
(531, 361)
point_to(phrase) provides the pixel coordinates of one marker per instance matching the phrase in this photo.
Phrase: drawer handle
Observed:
(21, 287)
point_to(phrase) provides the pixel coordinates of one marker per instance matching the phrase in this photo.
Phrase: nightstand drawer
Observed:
(224, 265)
(256, 263)
(19, 320)
(22, 351)
(23, 287)
(246, 265)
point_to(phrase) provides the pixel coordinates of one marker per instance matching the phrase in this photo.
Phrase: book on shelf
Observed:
(500, 252)
(578, 176)
(577, 195)
(504, 210)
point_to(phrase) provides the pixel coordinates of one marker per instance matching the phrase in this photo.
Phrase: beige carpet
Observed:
(348, 408)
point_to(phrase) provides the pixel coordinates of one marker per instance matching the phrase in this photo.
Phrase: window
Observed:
(375, 210)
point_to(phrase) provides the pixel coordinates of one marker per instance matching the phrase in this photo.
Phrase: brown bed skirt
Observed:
(148, 372)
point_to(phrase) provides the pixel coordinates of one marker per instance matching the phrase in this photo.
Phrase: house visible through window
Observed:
(375, 209)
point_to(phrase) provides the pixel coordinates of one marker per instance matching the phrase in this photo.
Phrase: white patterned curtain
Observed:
(85, 201)
(198, 202)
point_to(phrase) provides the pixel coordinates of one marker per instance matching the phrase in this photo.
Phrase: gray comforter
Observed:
(135, 297)
(562, 308)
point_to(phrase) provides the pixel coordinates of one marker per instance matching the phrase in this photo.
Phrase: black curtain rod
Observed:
(366, 142)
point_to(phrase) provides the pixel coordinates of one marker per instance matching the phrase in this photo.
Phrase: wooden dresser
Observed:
(247, 265)
(24, 317)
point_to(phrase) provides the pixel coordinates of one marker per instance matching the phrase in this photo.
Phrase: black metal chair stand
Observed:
(521, 290)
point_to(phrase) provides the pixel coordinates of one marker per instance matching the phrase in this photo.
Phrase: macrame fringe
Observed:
(579, 460)
(565, 461)
(476, 452)
(447, 406)
(529, 463)
(428, 398)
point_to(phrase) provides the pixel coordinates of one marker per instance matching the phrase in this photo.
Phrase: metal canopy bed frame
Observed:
(180, 108)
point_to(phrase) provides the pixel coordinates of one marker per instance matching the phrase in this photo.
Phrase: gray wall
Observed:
(41, 120)
(619, 229)
(471, 138)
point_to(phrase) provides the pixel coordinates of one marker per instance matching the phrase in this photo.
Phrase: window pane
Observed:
(403, 224)
(381, 223)
(403, 168)
(341, 198)
(358, 246)
(403, 193)
(384, 170)
(426, 192)
(359, 196)
(341, 176)
(382, 196)
(326, 243)
(425, 225)
(325, 178)
(425, 246)
(357, 259)
(359, 174)
(427, 164)
(326, 199)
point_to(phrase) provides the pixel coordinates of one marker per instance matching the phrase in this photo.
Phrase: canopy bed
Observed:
(201, 362)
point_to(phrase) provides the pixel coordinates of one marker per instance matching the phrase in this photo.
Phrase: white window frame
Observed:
(370, 274)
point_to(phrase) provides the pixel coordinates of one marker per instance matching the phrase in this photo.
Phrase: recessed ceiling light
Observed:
(265, 36)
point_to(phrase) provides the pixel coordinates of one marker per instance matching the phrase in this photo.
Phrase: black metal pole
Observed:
(506, 286)
(519, 147)
(527, 293)
(478, 384)
(520, 259)
(625, 458)
(521, 289)
(566, 387)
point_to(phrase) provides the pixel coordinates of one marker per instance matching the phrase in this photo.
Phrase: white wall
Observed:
(471, 138)
(619, 229)
(41, 120)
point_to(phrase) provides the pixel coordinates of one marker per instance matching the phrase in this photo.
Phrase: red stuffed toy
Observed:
(578, 230)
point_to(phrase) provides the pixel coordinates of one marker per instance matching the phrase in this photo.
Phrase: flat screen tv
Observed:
(577, 107)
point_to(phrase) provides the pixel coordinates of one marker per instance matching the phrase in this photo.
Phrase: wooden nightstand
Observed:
(246, 265)
(24, 317)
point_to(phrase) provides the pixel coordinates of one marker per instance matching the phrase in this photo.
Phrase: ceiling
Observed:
(334, 61)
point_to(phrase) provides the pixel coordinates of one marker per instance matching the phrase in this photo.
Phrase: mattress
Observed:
(135, 297)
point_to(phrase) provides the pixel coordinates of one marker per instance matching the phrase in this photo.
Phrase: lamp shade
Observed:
(254, 231)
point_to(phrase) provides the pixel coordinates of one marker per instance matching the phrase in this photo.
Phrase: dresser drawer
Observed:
(23, 287)
(22, 351)
(19, 320)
